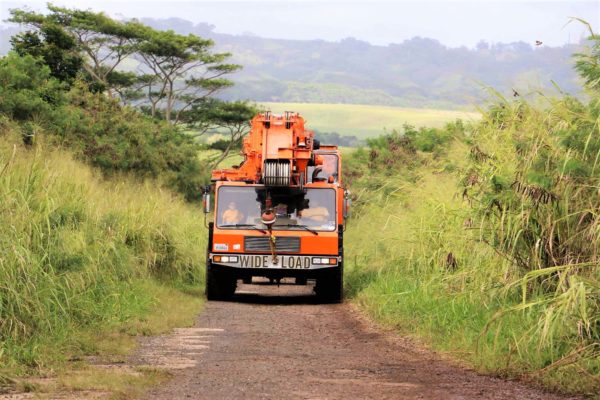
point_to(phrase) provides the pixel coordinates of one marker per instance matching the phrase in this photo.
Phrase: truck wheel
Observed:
(220, 285)
(330, 285)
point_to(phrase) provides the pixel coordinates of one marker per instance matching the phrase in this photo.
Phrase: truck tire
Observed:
(220, 285)
(330, 285)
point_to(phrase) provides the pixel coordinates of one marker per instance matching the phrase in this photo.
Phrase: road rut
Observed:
(275, 342)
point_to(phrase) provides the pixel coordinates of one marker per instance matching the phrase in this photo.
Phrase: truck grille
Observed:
(283, 244)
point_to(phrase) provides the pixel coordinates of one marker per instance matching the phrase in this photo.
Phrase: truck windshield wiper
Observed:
(306, 228)
(244, 226)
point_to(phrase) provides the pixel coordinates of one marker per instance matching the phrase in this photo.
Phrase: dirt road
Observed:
(276, 343)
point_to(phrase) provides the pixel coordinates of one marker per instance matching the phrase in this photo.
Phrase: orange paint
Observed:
(273, 137)
(283, 140)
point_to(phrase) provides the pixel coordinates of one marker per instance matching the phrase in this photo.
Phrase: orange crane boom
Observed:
(277, 152)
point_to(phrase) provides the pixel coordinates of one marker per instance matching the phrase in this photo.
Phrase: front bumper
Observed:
(283, 262)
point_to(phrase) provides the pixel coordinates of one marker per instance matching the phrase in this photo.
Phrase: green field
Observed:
(366, 121)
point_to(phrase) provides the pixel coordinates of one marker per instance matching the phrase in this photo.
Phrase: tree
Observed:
(588, 64)
(176, 71)
(482, 45)
(183, 72)
(175, 79)
(198, 117)
(106, 43)
(27, 91)
(232, 118)
(55, 46)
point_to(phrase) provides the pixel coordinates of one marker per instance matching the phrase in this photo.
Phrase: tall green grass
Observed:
(486, 245)
(78, 253)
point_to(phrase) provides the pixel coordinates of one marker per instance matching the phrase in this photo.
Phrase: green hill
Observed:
(419, 72)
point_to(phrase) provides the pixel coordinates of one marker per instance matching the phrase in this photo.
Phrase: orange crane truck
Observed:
(280, 213)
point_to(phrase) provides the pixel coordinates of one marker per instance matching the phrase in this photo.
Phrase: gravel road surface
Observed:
(276, 342)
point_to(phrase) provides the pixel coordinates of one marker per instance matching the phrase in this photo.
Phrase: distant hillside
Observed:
(415, 73)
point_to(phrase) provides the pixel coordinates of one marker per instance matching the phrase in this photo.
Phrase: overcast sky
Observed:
(454, 23)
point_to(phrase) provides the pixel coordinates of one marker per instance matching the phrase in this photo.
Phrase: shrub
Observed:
(96, 128)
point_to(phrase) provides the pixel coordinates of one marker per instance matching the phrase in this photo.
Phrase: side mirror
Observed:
(206, 200)
(347, 203)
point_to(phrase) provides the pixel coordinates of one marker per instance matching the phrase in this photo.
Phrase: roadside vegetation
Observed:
(484, 238)
(85, 260)
(101, 239)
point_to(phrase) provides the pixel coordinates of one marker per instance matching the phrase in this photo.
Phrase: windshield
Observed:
(243, 206)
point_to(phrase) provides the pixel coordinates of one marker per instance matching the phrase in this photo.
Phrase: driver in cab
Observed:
(316, 212)
(232, 215)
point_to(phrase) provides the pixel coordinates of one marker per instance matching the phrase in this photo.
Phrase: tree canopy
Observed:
(115, 91)
(172, 71)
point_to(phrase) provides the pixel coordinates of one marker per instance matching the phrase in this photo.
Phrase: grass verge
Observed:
(109, 375)
(87, 263)
(427, 272)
